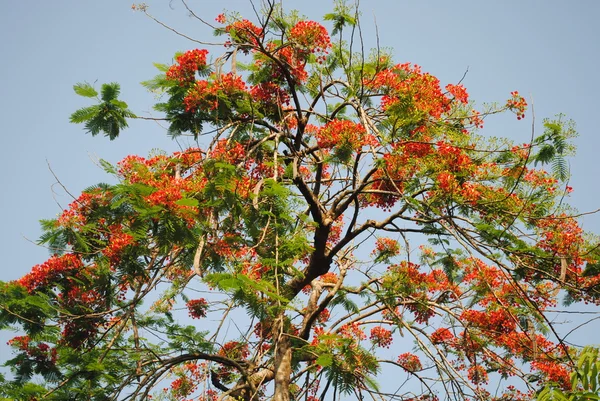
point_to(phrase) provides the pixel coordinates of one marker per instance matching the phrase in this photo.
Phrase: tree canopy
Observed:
(342, 219)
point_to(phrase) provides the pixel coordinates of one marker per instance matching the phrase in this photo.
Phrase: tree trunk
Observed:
(283, 363)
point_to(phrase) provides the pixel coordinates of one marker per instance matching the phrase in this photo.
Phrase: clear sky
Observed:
(547, 50)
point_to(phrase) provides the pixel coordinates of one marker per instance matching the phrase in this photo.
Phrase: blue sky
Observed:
(548, 51)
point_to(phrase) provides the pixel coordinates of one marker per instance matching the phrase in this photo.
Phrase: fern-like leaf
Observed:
(85, 90)
(110, 91)
(84, 114)
(560, 168)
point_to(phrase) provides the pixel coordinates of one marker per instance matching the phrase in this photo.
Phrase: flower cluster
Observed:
(398, 167)
(243, 32)
(447, 182)
(188, 377)
(477, 375)
(205, 95)
(187, 65)
(407, 87)
(41, 353)
(76, 215)
(168, 179)
(50, 271)
(475, 119)
(517, 104)
(118, 241)
(311, 37)
(81, 332)
(329, 277)
(264, 329)
(20, 342)
(385, 248)
(453, 158)
(410, 362)
(385, 192)
(269, 94)
(197, 308)
(381, 337)
(209, 395)
(235, 350)
(353, 330)
(342, 135)
(405, 280)
(232, 153)
(540, 178)
(497, 322)
(255, 270)
(294, 63)
(411, 150)
(459, 92)
(182, 387)
(441, 335)
(553, 372)
(421, 308)
(323, 316)
(561, 235)
(221, 18)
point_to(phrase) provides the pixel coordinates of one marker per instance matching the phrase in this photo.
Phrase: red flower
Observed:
(269, 94)
(197, 308)
(381, 337)
(517, 104)
(441, 335)
(205, 94)
(312, 37)
(554, 372)
(187, 65)
(50, 271)
(343, 135)
(244, 32)
(353, 330)
(410, 362)
(477, 375)
(220, 18)
(324, 316)
(408, 87)
(235, 350)
(459, 92)
(385, 248)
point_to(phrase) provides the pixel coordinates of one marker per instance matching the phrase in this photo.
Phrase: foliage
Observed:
(110, 116)
(584, 381)
(278, 260)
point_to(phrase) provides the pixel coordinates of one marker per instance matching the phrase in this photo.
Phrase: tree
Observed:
(338, 209)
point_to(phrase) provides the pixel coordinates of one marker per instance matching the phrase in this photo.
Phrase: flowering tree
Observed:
(340, 219)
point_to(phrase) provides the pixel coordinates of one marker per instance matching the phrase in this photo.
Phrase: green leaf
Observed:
(371, 383)
(84, 114)
(85, 90)
(109, 168)
(545, 155)
(584, 376)
(560, 168)
(558, 395)
(324, 360)
(187, 202)
(119, 103)
(230, 284)
(110, 91)
(161, 67)
(261, 285)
